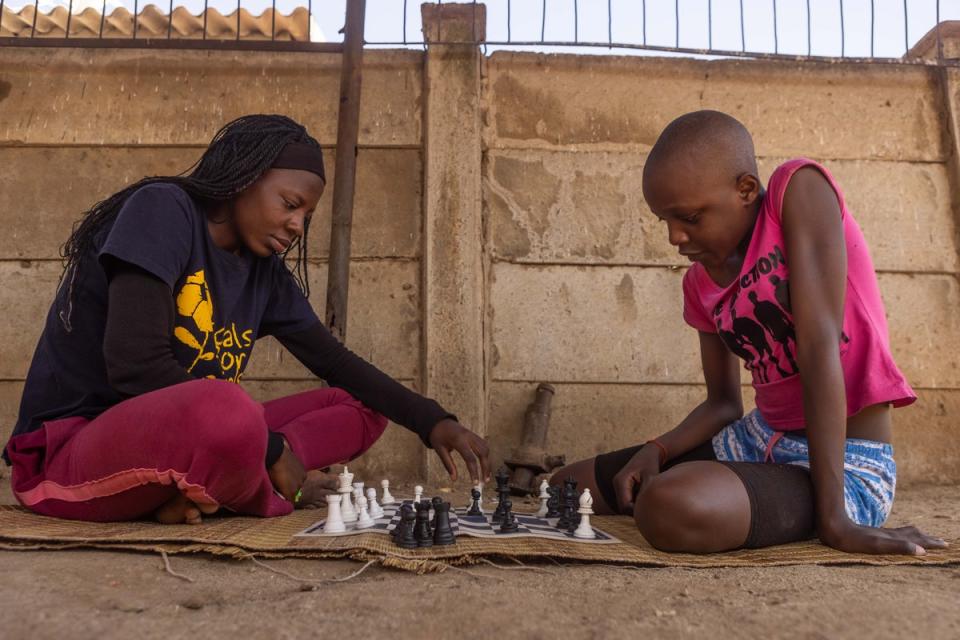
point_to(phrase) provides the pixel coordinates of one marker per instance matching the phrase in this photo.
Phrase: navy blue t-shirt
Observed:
(223, 303)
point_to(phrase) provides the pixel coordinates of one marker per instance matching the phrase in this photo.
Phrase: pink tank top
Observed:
(752, 316)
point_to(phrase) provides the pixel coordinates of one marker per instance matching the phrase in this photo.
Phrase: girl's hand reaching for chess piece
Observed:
(449, 435)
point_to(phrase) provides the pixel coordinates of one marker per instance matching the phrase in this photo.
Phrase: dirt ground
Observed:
(93, 594)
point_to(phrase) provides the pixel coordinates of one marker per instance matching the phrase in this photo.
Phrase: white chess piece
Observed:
(478, 487)
(586, 503)
(387, 498)
(345, 491)
(376, 511)
(417, 492)
(334, 521)
(357, 492)
(364, 521)
(544, 496)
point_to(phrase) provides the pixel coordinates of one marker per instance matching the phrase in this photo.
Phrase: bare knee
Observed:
(672, 518)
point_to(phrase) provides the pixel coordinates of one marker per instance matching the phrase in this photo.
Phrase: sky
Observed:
(623, 20)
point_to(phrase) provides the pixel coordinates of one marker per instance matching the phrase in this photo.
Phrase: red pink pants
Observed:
(204, 438)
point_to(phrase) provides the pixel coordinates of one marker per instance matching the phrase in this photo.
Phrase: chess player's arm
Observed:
(439, 429)
(723, 405)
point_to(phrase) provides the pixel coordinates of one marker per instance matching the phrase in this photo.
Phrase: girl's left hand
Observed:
(449, 435)
(854, 538)
(287, 473)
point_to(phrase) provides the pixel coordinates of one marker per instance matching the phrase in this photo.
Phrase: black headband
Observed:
(303, 156)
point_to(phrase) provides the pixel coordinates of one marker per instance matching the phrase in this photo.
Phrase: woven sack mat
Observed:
(274, 538)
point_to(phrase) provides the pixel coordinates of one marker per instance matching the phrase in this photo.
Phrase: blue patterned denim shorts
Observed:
(870, 473)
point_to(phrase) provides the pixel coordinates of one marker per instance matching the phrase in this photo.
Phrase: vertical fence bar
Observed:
(103, 16)
(344, 179)
(743, 37)
(576, 20)
(170, 21)
(939, 39)
(273, 20)
(238, 21)
(404, 21)
(136, 17)
(776, 42)
(543, 21)
(36, 10)
(309, 21)
(809, 30)
(644, 21)
(69, 17)
(206, 5)
(610, 23)
(872, 25)
(906, 29)
(676, 23)
(843, 33)
(710, 24)
(509, 39)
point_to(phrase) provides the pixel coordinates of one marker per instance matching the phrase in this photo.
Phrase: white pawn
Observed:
(387, 498)
(376, 511)
(364, 521)
(544, 496)
(345, 490)
(334, 522)
(585, 510)
(479, 488)
(417, 492)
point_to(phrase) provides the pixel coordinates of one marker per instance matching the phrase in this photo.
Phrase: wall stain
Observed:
(626, 298)
(5, 88)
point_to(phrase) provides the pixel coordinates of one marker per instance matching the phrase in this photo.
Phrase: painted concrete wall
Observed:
(577, 283)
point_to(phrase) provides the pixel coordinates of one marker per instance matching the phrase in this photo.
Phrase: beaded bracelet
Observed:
(663, 455)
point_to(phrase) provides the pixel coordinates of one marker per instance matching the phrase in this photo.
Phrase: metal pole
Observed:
(348, 128)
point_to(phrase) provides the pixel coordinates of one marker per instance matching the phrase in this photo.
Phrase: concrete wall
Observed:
(76, 125)
(584, 289)
(536, 238)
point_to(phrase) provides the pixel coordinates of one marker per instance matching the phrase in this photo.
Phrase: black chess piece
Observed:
(475, 505)
(503, 490)
(433, 505)
(509, 520)
(443, 532)
(423, 534)
(398, 529)
(406, 538)
(553, 502)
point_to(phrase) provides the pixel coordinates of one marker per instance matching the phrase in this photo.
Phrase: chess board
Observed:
(478, 526)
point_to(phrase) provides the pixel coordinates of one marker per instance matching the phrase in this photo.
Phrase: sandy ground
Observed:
(92, 594)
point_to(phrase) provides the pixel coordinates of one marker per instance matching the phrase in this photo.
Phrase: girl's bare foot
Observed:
(181, 510)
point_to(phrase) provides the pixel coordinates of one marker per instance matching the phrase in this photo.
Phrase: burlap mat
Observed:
(274, 538)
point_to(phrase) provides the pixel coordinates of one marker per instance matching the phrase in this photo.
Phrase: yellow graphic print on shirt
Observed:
(230, 346)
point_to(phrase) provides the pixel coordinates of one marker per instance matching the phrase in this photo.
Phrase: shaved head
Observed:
(699, 144)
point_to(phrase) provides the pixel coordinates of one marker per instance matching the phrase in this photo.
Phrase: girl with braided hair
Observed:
(131, 406)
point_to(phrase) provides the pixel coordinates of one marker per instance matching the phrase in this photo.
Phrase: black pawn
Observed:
(475, 505)
(423, 534)
(509, 521)
(443, 533)
(553, 503)
(406, 538)
(433, 505)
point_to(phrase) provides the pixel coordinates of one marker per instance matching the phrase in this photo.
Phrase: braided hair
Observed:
(236, 157)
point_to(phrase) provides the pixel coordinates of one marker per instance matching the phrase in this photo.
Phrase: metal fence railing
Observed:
(891, 31)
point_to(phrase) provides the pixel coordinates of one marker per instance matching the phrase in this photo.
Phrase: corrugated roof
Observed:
(152, 22)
